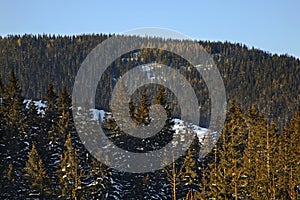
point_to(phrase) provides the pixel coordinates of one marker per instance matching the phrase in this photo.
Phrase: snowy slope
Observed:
(40, 105)
(181, 126)
(96, 115)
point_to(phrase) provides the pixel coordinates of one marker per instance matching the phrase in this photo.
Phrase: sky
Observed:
(270, 25)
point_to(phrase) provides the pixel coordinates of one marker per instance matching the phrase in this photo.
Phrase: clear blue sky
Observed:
(273, 26)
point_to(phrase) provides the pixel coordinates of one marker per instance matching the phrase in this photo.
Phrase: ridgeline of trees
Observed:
(250, 76)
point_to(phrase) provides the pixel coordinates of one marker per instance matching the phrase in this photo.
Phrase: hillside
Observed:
(250, 75)
(42, 156)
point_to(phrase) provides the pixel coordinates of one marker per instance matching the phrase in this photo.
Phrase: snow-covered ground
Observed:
(179, 125)
(40, 105)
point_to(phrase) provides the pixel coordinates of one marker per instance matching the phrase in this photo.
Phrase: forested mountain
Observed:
(250, 75)
(256, 157)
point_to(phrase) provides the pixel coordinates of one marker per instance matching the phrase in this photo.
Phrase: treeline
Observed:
(253, 160)
(250, 75)
(43, 158)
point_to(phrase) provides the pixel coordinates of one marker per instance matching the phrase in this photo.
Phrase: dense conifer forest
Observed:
(42, 157)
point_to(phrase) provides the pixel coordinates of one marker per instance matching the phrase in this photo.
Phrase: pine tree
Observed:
(8, 183)
(32, 122)
(35, 175)
(3, 136)
(161, 98)
(259, 158)
(214, 190)
(143, 117)
(173, 177)
(203, 183)
(64, 123)
(282, 166)
(289, 159)
(69, 172)
(1, 89)
(13, 105)
(51, 113)
(99, 175)
(119, 106)
(64, 101)
(167, 133)
(271, 151)
(49, 123)
(249, 163)
(59, 122)
(16, 144)
(179, 175)
(190, 175)
(226, 174)
(294, 159)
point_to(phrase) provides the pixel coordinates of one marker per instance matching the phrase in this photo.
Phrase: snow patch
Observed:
(40, 105)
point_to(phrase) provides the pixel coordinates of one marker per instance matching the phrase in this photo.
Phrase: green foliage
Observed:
(179, 174)
(69, 172)
(250, 75)
(35, 175)
(256, 157)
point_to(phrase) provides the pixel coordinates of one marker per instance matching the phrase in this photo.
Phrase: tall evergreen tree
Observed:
(35, 176)
(13, 105)
(16, 144)
(226, 171)
(69, 172)
(32, 121)
(182, 174)
(99, 180)
(288, 163)
(143, 117)
(51, 113)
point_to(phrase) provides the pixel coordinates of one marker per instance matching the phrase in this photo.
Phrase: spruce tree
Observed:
(15, 134)
(51, 113)
(69, 172)
(3, 135)
(13, 105)
(289, 159)
(35, 175)
(227, 166)
(64, 101)
(144, 109)
(99, 176)
(180, 175)
(32, 121)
